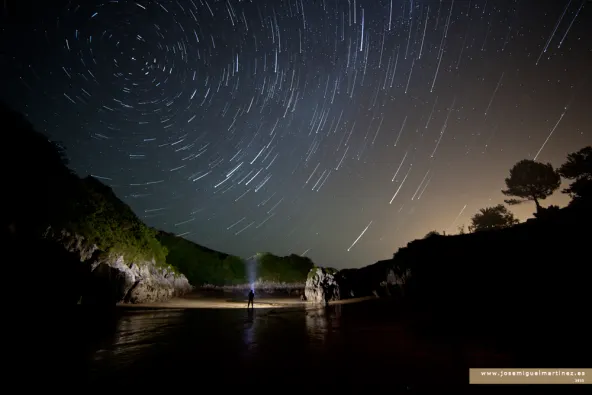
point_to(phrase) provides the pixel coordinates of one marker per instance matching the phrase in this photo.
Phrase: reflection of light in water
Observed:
(336, 315)
(322, 321)
(316, 324)
(138, 331)
(250, 328)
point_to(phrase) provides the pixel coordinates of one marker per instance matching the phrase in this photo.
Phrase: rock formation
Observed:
(106, 278)
(321, 286)
(378, 280)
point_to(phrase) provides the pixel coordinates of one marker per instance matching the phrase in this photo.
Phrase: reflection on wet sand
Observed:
(136, 332)
(250, 328)
(345, 342)
(322, 321)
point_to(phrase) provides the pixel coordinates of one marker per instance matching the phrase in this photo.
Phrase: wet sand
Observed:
(233, 301)
(191, 342)
(307, 346)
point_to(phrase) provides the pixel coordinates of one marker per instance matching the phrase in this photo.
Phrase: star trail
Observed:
(339, 130)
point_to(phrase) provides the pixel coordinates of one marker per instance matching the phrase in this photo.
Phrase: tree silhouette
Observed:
(492, 218)
(550, 212)
(530, 180)
(432, 233)
(578, 168)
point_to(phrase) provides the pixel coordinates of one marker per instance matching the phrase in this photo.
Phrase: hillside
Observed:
(71, 236)
(519, 283)
(204, 266)
(200, 264)
(86, 245)
(505, 267)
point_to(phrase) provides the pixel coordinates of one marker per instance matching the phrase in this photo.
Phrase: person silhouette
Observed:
(251, 299)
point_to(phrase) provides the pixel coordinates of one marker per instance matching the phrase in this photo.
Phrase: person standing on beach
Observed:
(251, 299)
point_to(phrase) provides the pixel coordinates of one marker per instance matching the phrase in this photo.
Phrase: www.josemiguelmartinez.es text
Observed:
(533, 373)
(530, 376)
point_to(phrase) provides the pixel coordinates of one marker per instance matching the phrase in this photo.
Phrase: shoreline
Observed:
(208, 302)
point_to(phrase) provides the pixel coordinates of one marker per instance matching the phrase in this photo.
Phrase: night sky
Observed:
(339, 130)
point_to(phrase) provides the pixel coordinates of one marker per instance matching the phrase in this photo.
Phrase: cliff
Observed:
(71, 238)
(68, 268)
(523, 274)
(322, 286)
(209, 268)
(102, 278)
(381, 279)
(200, 264)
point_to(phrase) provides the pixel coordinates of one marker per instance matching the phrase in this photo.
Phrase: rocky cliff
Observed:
(71, 239)
(321, 286)
(112, 280)
(523, 275)
(106, 278)
(380, 279)
(66, 268)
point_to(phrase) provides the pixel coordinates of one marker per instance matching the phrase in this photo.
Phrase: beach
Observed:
(228, 300)
(198, 340)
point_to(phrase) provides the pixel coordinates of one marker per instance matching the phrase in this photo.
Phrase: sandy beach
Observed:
(232, 301)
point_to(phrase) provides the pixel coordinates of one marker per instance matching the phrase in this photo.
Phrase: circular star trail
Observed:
(339, 130)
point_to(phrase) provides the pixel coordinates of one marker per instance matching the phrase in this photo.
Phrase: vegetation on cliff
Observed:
(44, 192)
(531, 181)
(204, 266)
(534, 181)
(520, 272)
(578, 169)
(501, 263)
(325, 270)
(488, 218)
(97, 214)
(287, 269)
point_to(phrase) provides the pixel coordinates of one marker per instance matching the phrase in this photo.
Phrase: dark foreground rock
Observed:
(50, 265)
(518, 279)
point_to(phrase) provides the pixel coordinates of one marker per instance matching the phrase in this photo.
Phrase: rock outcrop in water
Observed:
(379, 280)
(322, 286)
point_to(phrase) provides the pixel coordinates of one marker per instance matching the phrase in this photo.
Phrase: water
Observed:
(367, 345)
